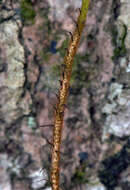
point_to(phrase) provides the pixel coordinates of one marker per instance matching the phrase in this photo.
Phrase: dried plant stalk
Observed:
(63, 93)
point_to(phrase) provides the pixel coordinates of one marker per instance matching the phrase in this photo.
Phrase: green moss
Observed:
(27, 12)
(79, 177)
(118, 41)
(78, 72)
(63, 47)
(44, 12)
(45, 56)
(56, 71)
(78, 77)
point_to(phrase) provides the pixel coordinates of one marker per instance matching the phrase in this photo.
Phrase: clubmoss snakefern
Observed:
(63, 93)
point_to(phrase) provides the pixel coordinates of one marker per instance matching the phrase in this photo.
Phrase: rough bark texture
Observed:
(95, 153)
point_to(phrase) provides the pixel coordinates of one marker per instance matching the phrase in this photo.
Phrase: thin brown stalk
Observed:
(63, 93)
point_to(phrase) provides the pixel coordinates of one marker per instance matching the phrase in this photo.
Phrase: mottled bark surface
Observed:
(95, 151)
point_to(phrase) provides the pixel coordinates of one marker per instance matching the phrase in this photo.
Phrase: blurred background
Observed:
(95, 151)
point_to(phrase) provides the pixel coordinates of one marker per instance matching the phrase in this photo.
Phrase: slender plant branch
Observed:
(63, 93)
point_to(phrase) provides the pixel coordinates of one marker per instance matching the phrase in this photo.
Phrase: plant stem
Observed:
(63, 93)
